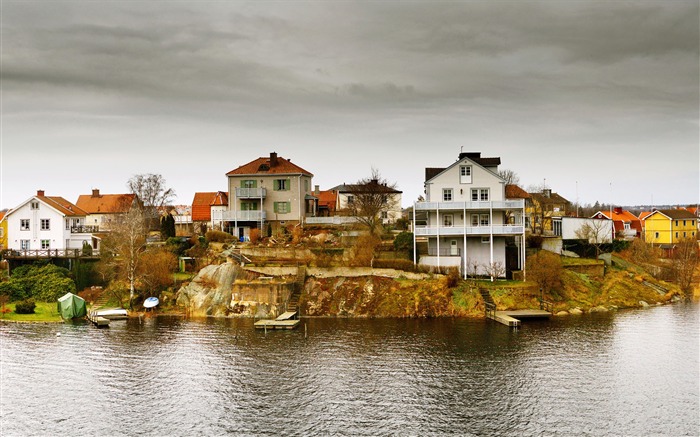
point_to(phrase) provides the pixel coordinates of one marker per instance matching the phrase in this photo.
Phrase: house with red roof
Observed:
(327, 202)
(268, 192)
(208, 210)
(48, 222)
(104, 209)
(625, 224)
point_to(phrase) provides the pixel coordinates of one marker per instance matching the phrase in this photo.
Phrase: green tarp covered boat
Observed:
(71, 306)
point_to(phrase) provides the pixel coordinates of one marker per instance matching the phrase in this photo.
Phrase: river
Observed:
(633, 373)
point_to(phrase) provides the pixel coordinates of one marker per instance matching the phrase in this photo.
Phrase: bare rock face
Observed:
(209, 293)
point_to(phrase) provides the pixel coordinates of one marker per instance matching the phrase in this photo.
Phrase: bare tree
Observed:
(685, 262)
(510, 176)
(371, 197)
(545, 268)
(596, 232)
(122, 248)
(151, 191)
(495, 270)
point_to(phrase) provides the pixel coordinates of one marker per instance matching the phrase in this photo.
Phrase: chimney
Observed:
(547, 192)
(317, 190)
(273, 159)
(40, 193)
(618, 210)
(95, 192)
(470, 155)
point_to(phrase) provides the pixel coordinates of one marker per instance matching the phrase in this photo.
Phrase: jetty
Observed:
(286, 320)
(513, 317)
(99, 321)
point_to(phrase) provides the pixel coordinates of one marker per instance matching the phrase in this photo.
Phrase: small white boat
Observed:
(112, 313)
(151, 302)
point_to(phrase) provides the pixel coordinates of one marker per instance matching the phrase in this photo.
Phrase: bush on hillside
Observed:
(219, 237)
(25, 307)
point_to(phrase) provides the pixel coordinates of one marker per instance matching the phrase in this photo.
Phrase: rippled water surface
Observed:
(630, 373)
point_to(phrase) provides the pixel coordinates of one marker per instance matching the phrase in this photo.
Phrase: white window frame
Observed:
(34, 205)
(45, 244)
(485, 240)
(475, 194)
(25, 224)
(484, 194)
(475, 219)
(24, 244)
(447, 195)
(483, 219)
(448, 220)
(45, 224)
(465, 174)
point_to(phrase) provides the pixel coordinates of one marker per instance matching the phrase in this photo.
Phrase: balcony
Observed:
(251, 193)
(451, 231)
(84, 229)
(460, 206)
(244, 216)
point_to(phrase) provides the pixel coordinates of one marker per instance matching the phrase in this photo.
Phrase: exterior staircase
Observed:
(489, 304)
(293, 302)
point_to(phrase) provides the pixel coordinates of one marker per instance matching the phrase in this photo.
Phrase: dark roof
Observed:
(431, 172)
(515, 192)
(543, 199)
(370, 187)
(676, 214)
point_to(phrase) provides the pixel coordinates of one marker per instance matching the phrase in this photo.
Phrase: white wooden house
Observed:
(48, 223)
(470, 223)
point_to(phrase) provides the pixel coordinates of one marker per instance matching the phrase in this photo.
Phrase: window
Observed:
(475, 219)
(385, 215)
(627, 226)
(656, 235)
(351, 199)
(683, 222)
(45, 224)
(283, 207)
(448, 220)
(485, 240)
(24, 224)
(34, 205)
(68, 224)
(465, 174)
(475, 194)
(281, 185)
(249, 206)
(447, 194)
(306, 185)
(692, 223)
(484, 194)
(676, 222)
(249, 183)
(24, 244)
(2, 232)
(484, 220)
(676, 234)
(684, 235)
(45, 244)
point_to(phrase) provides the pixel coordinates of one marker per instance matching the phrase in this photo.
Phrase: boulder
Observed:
(575, 311)
(598, 309)
(209, 293)
(562, 313)
(643, 304)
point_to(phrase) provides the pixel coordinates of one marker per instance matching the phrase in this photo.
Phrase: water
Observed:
(630, 373)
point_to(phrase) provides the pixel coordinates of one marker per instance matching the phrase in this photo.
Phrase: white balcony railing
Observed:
(251, 193)
(433, 231)
(498, 204)
(335, 220)
(244, 216)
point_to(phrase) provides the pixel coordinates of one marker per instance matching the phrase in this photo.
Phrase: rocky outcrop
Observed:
(209, 293)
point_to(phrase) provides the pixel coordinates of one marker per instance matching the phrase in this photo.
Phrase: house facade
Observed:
(669, 226)
(626, 225)
(470, 224)
(104, 210)
(348, 193)
(268, 192)
(208, 210)
(47, 223)
(541, 208)
(3, 230)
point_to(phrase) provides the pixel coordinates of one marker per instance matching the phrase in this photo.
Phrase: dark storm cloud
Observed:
(614, 79)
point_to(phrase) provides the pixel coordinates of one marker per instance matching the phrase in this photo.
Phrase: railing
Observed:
(85, 229)
(431, 231)
(490, 310)
(182, 219)
(245, 216)
(335, 220)
(48, 253)
(251, 193)
(496, 204)
(448, 251)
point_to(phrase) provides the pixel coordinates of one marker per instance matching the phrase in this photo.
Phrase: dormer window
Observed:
(34, 205)
(465, 174)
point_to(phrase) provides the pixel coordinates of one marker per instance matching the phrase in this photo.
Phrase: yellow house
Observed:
(669, 226)
(3, 230)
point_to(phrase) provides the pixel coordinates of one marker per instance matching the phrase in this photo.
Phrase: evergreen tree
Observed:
(167, 226)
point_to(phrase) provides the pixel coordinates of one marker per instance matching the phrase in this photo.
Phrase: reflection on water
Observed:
(631, 373)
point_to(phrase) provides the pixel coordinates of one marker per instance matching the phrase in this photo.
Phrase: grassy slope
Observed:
(44, 312)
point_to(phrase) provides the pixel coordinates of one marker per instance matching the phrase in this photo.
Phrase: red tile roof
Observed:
(97, 203)
(644, 214)
(620, 217)
(269, 165)
(328, 199)
(62, 205)
(202, 203)
(515, 192)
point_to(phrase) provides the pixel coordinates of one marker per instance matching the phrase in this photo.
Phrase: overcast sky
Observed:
(599, 100)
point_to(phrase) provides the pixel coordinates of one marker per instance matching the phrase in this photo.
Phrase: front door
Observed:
(454, 250)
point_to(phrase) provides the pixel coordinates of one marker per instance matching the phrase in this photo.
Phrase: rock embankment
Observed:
(209, 293)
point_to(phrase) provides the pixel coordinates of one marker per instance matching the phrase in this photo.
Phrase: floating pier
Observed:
(512, 318)
(286, 320)
(98, 321)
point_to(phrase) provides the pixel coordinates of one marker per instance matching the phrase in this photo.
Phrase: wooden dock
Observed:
(98, 321)
(512, 318)
(286, 320)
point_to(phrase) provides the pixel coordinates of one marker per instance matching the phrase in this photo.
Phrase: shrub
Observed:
(13, 290)
(87, 249)
(453, 277)
(404, 243)
(25, 307)
(396, 264)
(218, 237)
(534, 241)
(254, 235)
(363, 252)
